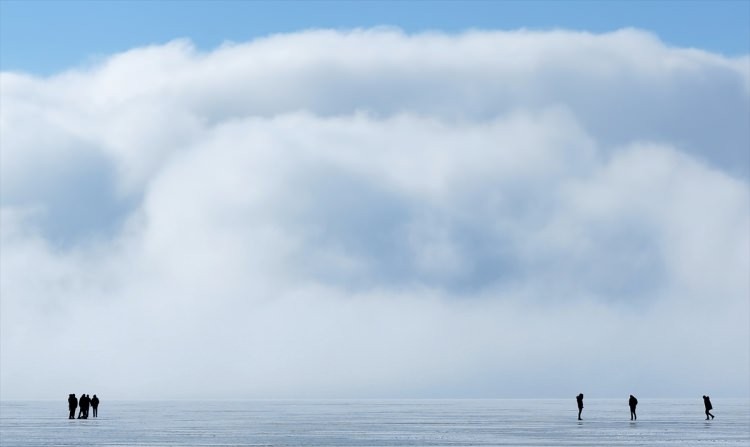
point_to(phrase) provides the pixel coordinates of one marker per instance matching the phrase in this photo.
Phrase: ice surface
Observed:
(378, 423)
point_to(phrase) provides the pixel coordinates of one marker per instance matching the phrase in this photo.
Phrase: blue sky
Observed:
(43, 37)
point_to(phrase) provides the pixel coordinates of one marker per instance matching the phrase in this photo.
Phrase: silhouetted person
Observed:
(579, 399)
(83, 405)
(709, 407)
(95, 404)
(72, 405)
(88, 405)
(633, 402)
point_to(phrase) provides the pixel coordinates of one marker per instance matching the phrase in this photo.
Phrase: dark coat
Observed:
(707, 403)
(579, 399)
(72, 402)
(632, 402)
(95, 402)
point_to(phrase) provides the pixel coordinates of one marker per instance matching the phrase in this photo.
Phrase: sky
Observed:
(45, 37)
(374, 200)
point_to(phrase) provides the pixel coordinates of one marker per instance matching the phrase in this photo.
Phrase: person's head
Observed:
(631, 396)
(704, 396)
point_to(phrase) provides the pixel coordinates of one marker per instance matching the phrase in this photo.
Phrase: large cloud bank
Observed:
(369, 213)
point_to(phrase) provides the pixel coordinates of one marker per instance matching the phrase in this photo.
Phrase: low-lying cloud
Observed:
(374, 214)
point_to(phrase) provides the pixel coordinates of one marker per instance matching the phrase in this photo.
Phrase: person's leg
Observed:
(707, 413)
(579, 413)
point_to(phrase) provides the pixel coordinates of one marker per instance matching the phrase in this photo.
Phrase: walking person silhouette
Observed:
(579, 399)
(95, 404)
(633, 402)
(709, 407)
(72, 405)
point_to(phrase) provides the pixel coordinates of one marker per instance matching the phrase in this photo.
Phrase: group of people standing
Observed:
(83, 403)
(633, 402)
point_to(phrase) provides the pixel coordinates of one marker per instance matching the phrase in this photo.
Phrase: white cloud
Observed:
(376, 214)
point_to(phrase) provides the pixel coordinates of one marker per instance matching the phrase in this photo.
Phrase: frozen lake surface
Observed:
(378, 423)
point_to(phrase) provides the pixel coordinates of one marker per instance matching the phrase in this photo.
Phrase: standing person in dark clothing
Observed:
(72, 405)
(95, 404)
(88, 405)
(579, 399)
(709, 407)
(633, 402)
(83, 404)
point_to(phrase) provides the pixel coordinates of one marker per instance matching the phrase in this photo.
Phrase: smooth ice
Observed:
(378, 423)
